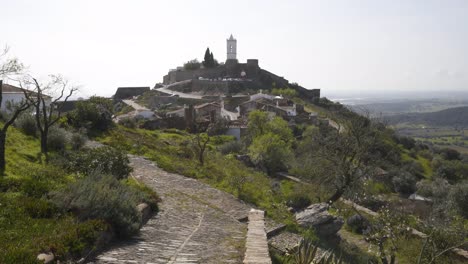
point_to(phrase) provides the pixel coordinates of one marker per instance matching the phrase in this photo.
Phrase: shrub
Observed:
(78, 140)
(231, 147)
(38, 208)
(94, 114)
(404, 183)
(56, 139)
(270, 152)
(27, 124)
(298, 200)
(128, 122)
(101, 196)
(458, 197)
(357, 223)
(192, 65)
(105, 159)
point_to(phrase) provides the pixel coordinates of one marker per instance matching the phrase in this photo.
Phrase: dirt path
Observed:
(196, 223)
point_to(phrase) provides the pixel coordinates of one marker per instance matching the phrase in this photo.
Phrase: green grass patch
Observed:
(172, 151)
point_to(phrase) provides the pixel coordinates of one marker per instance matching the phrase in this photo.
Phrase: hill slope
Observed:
(457, 116)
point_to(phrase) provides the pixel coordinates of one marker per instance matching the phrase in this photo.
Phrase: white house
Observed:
(14, 95)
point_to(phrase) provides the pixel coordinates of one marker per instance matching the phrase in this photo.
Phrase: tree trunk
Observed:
(2, 152)
(200, 157)
(336, 196)
(44, 148)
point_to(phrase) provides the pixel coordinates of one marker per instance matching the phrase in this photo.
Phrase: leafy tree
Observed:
(94, 114)
(257, 124)
(270, 152)
(192, 65)
(343, 156)
(209, 60)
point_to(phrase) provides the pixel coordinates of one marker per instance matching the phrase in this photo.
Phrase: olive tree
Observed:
(48, 111)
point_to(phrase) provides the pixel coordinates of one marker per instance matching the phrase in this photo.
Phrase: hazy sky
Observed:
(339, 46)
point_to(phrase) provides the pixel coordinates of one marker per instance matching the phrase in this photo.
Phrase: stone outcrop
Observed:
(46, 257)
(316, 216)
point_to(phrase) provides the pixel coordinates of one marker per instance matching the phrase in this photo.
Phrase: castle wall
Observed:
(182, 75)
(210, 87)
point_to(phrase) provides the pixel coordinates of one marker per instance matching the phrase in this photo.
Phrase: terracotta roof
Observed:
(7, 88)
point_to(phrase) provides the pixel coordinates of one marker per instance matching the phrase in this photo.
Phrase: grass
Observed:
(29, 224)
(173, 152)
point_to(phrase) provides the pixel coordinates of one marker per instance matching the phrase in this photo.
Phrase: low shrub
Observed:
(103, 197)
(231, 147)
(298, 200)
(105, 159)
(404, 183)
(458, 197)
(38, 208)
(27, 124)
(128, 122)
(56, 139)
(78, 140)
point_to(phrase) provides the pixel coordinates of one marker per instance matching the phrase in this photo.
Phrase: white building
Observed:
(14, 95)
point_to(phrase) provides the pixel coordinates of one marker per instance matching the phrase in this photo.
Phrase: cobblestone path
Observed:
(195, 224)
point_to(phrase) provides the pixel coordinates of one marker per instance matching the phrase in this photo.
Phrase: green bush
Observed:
(458, 197)
(105, 159)
(94, 114)
(404, 182)
(78, 140)
(298, 200)
(231, 147)
(27, 124)
(56, 139)
(101, 196)
(128, 122)
(38, 208)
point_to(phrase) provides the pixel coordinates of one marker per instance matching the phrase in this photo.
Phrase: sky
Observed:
(343, 47)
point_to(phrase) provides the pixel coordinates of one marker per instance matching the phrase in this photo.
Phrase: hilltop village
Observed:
(220, 162)
(199, 94)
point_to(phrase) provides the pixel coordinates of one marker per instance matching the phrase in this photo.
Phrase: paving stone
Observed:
(196, 223)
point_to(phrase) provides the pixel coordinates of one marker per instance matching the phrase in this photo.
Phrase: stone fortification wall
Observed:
(158, 101)
(210, 87)
(182, 75)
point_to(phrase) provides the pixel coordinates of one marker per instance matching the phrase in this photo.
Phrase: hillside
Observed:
(457, 116)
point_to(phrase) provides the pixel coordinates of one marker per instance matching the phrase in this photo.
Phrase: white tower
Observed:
(231, 48)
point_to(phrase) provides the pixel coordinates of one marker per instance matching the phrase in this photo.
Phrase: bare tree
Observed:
(200, 142)
(9, 67)
(48, 113)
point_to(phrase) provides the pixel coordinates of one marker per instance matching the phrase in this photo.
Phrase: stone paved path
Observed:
(256, 246)
(196, 223)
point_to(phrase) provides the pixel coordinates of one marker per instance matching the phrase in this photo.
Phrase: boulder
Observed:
(46, 257)
(316, 216)
(145, 211)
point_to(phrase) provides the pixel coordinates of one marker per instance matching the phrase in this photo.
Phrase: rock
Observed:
(46, 257)
(145, 211)
(358, 223)
(316, 216)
